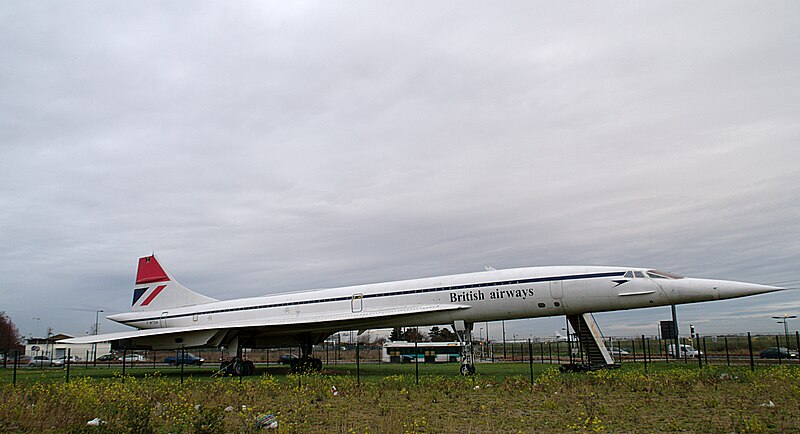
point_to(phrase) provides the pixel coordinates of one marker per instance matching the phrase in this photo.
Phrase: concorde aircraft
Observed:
(167, 315)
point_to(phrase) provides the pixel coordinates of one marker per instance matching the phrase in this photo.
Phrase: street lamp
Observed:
(783, 319)
(96, 329)
(480, 340)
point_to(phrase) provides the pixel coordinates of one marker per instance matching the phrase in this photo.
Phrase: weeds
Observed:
(625, 400)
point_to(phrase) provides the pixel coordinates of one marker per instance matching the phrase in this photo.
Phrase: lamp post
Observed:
(784, 319)
(480, 340)
(96, 327)
(49, 343)
(36, 330)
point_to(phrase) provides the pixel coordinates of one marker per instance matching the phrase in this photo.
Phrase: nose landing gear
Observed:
(464, 333)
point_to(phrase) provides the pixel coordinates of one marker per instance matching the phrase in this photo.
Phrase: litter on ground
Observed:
(267, 421)
(96, 422)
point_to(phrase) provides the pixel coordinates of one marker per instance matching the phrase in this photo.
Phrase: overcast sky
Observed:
(260, 147)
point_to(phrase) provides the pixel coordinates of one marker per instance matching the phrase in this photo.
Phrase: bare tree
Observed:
(10, 338)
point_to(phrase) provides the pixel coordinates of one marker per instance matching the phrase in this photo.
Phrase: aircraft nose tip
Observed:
(741, 289)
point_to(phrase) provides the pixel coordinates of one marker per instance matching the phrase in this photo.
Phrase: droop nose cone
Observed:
(692, 290)
(731, 289)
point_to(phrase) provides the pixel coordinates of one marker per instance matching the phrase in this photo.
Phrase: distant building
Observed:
(54, 349)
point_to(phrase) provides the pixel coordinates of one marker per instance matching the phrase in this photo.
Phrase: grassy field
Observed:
(668, 398)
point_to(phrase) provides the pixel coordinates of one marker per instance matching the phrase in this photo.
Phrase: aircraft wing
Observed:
(280, 326)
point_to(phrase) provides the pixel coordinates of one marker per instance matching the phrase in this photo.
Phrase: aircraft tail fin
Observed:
(156, 289)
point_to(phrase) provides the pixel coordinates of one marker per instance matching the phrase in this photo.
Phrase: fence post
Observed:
(416, 363)
(633, 348)
(358, 362)
(124, 353)
(16, 363)
(530, 359)
(797, 337)
(727, 353)
(541, 351)
(705, 351)
(750, 349)
(644, 350)
(778, 344)
(69, 356)
(179, 359)
(699, 357)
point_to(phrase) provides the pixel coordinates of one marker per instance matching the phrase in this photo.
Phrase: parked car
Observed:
(617, 351)
(685, 351)
(286, 359)
(107, 358)
(22, 359)
(132, 358)
(44, 361)
(614, 351)
(184, 359)
(72, 359)
(778, 352)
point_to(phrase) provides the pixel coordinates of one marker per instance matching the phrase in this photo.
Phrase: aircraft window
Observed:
(656, 274)
(638, 274)
(628, 275)
(541, 304)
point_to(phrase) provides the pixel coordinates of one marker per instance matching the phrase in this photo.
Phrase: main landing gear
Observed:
(305, 363)
(237, 367)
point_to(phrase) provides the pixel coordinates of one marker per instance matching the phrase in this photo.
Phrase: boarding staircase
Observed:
(593, 352)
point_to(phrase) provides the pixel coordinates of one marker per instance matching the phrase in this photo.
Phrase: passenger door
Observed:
(357, 303)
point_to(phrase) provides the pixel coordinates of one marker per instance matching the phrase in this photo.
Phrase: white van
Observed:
(685, 351)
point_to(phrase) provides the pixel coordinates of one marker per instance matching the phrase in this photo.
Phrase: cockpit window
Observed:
(655, 274)
(638, 274)
(628, 275)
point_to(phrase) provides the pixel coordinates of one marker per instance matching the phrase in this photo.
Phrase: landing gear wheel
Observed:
(236, 367)
(249, 368)
(467, 369)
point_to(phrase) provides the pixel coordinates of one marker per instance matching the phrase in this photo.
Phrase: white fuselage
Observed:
(486, 296)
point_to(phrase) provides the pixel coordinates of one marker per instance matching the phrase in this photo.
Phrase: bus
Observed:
(427, 352)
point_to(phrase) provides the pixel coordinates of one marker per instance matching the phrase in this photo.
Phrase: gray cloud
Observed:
(266, 147)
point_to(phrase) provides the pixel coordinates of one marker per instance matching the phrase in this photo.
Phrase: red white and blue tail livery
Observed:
(156, 289)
